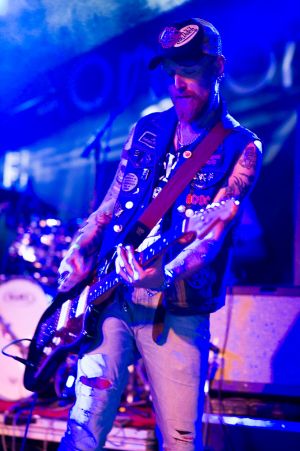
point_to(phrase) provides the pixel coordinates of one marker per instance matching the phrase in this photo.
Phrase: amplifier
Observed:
(258, 334)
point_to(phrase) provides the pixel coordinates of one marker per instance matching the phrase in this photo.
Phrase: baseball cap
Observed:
(186, 42)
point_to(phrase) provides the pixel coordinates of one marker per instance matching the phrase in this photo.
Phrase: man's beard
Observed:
(189, 109)
(195, 106)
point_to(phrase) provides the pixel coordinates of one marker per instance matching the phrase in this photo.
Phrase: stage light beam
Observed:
(3, 7)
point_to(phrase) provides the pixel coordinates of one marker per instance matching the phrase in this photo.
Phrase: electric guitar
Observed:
(72, 318)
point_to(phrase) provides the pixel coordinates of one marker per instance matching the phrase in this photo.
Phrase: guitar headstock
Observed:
(204, 220)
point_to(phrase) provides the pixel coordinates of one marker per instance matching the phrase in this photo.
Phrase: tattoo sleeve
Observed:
(194, 257)
(244, 174)
(239, 184)
(88, 237)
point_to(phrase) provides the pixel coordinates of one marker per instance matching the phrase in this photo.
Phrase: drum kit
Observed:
(22, 302)
(27, 287)
(26, 290)
(39, 248)
(34, 241)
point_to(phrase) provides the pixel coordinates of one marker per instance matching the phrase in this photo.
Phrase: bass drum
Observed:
(22, 302)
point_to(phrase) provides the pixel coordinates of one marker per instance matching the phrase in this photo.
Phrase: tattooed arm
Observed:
(239, 184)
(82, 253)
(200, 252)
(244, 174)
(88, 237)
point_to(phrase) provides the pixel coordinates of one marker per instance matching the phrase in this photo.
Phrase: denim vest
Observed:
(152, 136)
(205, 291)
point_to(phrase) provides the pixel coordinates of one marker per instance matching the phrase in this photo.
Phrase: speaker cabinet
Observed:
(258, 334)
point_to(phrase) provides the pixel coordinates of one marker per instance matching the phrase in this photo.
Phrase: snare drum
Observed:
(22, 302)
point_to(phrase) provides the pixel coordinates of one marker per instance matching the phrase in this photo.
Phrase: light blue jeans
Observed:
(175, 356)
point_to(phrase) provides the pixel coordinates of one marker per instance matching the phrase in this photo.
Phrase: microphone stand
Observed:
(95, 145)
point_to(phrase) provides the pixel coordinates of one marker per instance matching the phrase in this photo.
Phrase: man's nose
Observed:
(179, 82)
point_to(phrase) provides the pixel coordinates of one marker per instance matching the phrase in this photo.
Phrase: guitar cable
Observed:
(29, 419)
(15, 357)
(20, 415)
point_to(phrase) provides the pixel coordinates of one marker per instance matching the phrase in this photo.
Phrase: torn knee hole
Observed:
(96, 382)
(184, 436)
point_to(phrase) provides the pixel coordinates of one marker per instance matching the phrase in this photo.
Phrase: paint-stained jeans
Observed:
(175, 357)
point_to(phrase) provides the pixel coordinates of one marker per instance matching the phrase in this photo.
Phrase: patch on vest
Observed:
(195, 199)
(203, 180)
(130, 181)
(215, 159)
(156, 191)
(118, 209)
(149, 139)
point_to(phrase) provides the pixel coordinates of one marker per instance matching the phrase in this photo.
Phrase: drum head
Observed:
(22, 302)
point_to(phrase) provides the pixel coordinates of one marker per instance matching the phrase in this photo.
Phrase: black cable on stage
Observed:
(29, 418)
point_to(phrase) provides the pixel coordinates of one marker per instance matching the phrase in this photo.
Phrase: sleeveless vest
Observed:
(205, 291)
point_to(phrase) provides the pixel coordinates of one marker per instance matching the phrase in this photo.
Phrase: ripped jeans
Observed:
(175, 356)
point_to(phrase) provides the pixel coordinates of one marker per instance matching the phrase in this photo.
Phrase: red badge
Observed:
(187, 154)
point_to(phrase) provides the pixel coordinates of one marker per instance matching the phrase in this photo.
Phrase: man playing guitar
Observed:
(160, 312)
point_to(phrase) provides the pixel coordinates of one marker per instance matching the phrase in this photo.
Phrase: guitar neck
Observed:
(198, 225)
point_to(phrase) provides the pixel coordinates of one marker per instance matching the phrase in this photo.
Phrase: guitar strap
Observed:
(170, 192)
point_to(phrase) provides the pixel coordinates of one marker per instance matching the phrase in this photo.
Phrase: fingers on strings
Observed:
(126, 264)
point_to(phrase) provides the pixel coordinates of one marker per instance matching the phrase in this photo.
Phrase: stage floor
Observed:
(134, 428)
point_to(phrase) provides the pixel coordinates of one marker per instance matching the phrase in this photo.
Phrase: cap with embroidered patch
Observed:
(186, 42)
